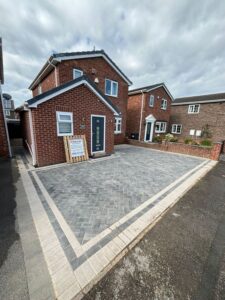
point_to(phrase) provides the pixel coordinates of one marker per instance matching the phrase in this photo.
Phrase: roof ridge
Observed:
(77, 52)
(203, 95)
(55, 58)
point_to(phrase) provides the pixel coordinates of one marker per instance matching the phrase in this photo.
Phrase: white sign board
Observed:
(77, 147)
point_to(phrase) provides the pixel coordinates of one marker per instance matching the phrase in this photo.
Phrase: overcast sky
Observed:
(179, 42)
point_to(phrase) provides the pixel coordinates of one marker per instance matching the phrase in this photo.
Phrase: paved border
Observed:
(38, 279)
(77, 253)
(69, 283)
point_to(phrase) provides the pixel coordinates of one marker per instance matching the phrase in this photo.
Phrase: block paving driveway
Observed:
(93, 195)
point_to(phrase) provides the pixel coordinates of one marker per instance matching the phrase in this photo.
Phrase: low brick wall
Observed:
(206, 152)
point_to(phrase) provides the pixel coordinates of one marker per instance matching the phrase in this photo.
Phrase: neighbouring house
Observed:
(148, 112)
(199, 117)
(9, 107)
(5, 150)
(75, 93)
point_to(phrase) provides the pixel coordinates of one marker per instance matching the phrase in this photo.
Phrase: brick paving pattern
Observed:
(92, 196)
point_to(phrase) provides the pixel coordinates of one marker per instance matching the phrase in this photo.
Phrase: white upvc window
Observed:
(7, 104)
(160, 127)
(118, 125)
(151, 100)
(111, 88)
(164, 104)
(176, 128)
(64, 123)
(7, 112)
(39, 89)
(77, 73)
(194, 108)
(198, 133)
(192, 132)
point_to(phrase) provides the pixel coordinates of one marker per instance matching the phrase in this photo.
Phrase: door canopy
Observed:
(150, 118)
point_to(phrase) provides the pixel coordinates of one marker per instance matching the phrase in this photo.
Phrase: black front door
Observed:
(148, 131)
(98, 135)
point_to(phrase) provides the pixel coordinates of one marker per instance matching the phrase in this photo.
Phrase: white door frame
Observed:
(101, 116)
(150, 119)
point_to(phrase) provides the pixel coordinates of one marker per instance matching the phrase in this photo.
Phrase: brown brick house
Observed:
(5, 150)
(199, 117)
(72, 93)
(98, 66)
(148, 112)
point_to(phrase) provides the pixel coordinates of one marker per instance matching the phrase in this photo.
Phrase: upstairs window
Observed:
(160, 127)
(7, 104)
(164, 104)
(39, 89)
(64, 123)
(118, 125)
(77, 73)
(193, 108)
(151, 100)
(176, 128)
(111, 88)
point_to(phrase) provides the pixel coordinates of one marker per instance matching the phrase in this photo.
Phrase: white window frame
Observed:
(111, 89)
(7, 112)
(60, 113)
(7, 104)
(117, 119)
(198, 133)
(77, 70)
(191, 108)
(174, 129)
(151, 100)
(164, 104)
(161, 130)
(192, 132)
(39, 89)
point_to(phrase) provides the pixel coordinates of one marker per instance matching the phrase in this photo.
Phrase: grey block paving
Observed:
(91, 197)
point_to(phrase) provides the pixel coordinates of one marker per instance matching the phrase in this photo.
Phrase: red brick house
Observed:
(75, 93)
(199, 117)
(148, 112)
(5, 150)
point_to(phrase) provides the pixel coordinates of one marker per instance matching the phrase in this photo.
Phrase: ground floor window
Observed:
(176, 128)
(64, 123)
(7, 112)
(118, 125)
(160, 127)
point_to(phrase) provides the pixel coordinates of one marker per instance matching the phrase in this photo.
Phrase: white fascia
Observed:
(199, 102)
(61, 91)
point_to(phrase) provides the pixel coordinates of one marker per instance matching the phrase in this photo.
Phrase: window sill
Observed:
(64, 134)
(115, 132)
(111, 95)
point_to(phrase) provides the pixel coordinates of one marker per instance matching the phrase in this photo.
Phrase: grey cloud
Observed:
(179, 42)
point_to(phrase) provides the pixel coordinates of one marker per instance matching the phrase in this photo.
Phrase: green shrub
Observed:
(188, 141)
(157, 139)
(168, 137)
(207, 143)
